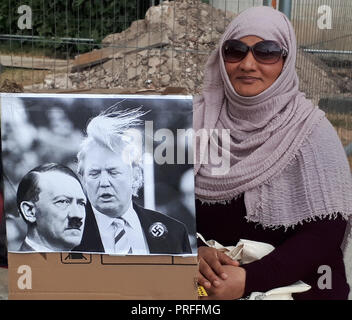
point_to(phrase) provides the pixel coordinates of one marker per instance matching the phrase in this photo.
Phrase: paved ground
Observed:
(3, 284)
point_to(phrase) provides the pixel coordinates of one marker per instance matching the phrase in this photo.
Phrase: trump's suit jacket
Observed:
(172, 240)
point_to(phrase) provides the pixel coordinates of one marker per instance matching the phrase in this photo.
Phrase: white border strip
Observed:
(100, 95)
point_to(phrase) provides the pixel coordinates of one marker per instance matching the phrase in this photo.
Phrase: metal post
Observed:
(285, 7)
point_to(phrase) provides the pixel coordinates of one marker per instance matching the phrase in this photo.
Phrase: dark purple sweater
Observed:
(298, 253)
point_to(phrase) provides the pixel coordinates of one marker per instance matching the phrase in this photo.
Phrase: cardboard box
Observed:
(95, 276)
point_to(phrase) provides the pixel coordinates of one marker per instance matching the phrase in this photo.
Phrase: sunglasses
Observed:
(266, 51)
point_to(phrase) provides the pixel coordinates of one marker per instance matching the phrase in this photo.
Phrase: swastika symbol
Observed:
(158, 230)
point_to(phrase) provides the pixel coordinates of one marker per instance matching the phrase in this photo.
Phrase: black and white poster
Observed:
(98, 173)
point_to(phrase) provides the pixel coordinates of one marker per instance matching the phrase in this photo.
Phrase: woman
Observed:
(288, 183)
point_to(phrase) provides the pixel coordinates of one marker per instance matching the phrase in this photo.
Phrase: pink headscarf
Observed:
(271, 134)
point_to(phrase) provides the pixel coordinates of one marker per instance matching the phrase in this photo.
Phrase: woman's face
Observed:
(250, 77)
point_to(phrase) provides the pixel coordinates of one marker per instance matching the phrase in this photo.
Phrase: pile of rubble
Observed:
(315, 79)
(10, 86)
(169, 48)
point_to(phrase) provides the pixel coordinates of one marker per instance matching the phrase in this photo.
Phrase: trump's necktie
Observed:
(122, 245)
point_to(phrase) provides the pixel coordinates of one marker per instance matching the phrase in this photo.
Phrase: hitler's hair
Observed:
(28, 188)
(111, 129)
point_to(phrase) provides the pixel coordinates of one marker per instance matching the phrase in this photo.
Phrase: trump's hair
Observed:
(112, 129)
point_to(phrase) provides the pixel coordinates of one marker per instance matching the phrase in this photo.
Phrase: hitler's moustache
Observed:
(74, 223)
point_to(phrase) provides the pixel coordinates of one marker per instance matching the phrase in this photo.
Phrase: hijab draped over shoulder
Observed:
(282, 152)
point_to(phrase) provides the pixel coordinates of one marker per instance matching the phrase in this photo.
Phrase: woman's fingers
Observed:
(225, 259)
(207, 272)
(203, 282)
(217, 267)
(213, 261)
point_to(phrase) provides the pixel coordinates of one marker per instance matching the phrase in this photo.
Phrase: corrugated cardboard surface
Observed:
(95, 276)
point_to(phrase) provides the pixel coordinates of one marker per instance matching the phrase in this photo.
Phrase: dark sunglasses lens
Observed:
(234, 50)
(267, 52)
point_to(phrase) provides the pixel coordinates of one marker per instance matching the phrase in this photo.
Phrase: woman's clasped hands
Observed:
(222, 277)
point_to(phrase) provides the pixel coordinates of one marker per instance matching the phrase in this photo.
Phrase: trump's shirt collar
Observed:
(133, 229)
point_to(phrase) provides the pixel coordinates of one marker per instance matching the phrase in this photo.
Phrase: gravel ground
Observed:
(3, 284)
